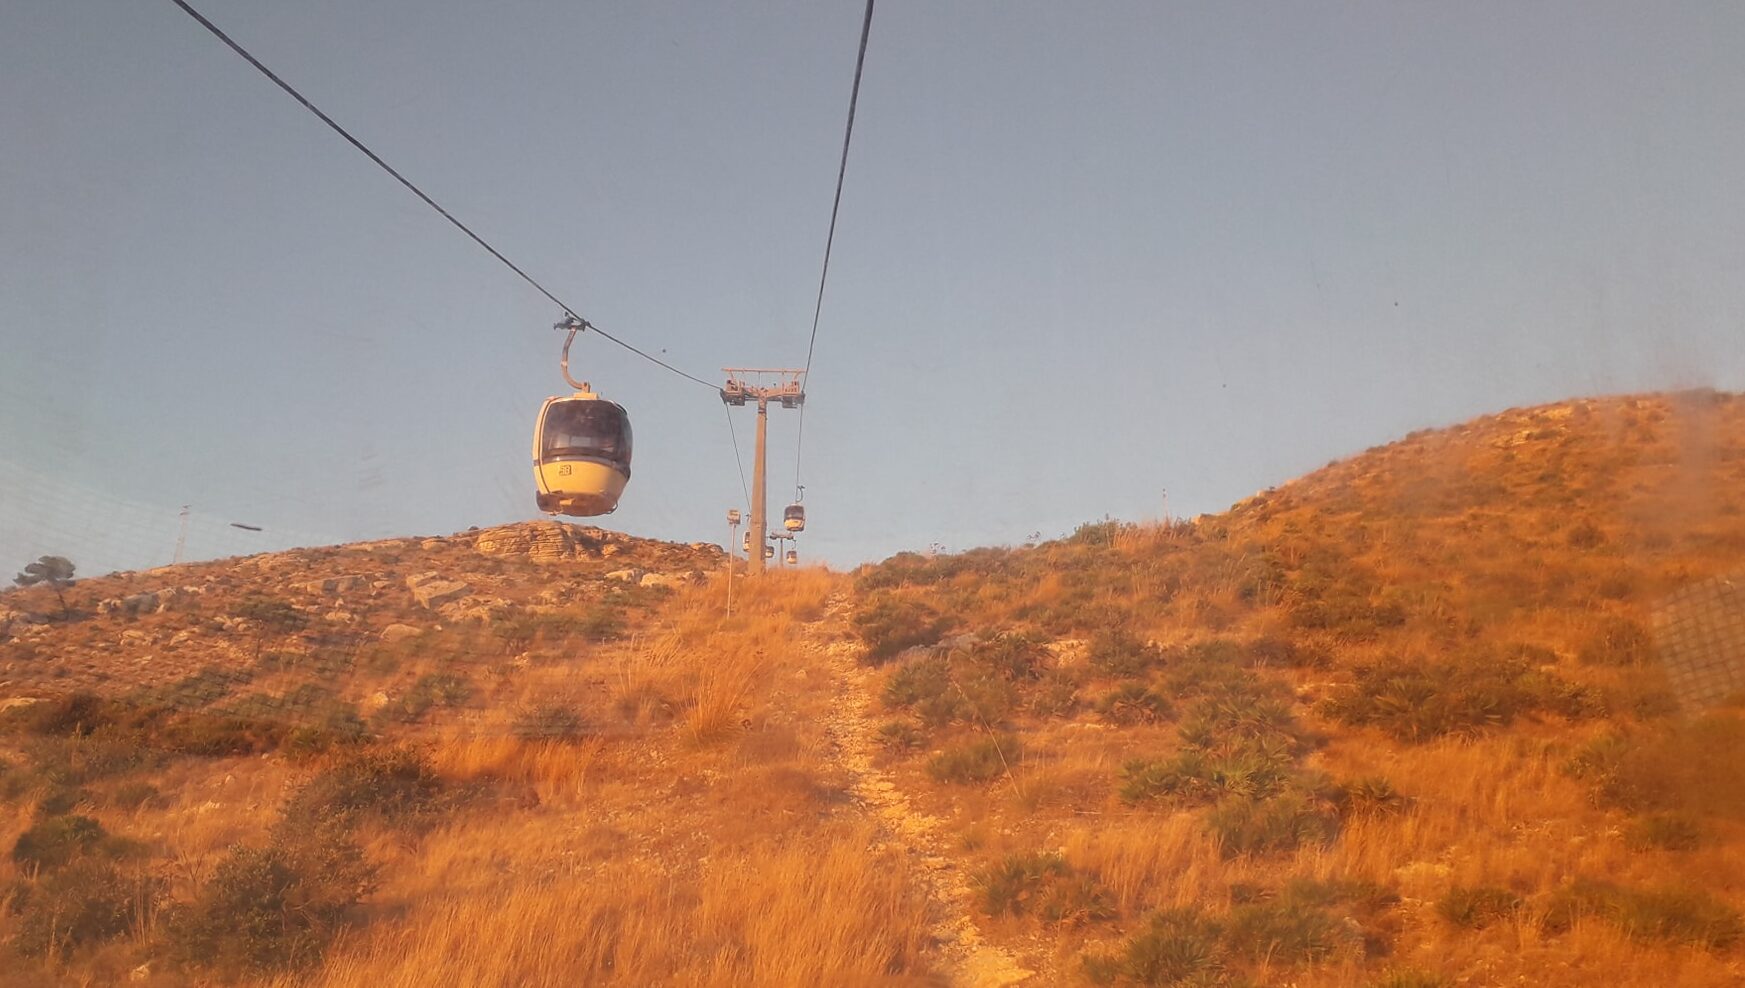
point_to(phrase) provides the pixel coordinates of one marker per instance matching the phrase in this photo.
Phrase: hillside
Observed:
(1405, 721)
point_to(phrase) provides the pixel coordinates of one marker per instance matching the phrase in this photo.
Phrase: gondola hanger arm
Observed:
(574, 325)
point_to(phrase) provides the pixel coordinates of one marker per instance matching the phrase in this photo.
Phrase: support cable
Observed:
(830, 239)
(415, 190)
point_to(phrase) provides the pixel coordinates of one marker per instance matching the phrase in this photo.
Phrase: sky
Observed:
(1094, 260)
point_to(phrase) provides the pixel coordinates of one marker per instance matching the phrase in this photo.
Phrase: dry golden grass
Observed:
(799, 915)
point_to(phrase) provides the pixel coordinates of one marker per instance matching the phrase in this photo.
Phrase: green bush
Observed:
(89, 901)
(1013, 656)
(1194, 777)
(1410, 978)
(274, 907)
(1290, 928)
(1177, 947)
(1056, 695)
(1120, 654)
(940, 696)
(431, 690)
(1133, 703)
(58, 840)
(133, 795)
(978, 761)
(1269, 826)
(1423, 701)
(1476, 907)
(396, 786)
(889, 625)
(1238, 718)
(1664, 832)
(1690, 767)
(1370, 796)
(900, 735)
(1675, 915)
(549, 722)
(1044, 886)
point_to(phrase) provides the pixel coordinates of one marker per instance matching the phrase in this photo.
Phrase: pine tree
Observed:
(56, 571)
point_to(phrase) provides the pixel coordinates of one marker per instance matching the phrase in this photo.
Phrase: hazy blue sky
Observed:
(1087, 252)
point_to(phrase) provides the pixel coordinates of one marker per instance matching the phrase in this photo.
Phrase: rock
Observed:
(479, 609)
(131, 606)
(400, 632)
(339, 617)
(140, 973)
(184, 636)
(375, 701)
(609, 550)
(332, 584)
(132, 637)
(14, 702)
(431, 590)
(1068, 652)
(631, 575)
(661, 580)
(538, 541)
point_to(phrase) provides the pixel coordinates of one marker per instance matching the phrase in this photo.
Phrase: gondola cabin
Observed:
(794, 518)
(793, 558)
(581, 455)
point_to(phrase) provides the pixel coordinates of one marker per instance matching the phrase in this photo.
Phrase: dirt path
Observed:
(971, 962)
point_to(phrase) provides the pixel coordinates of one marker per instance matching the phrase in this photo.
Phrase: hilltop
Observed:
(1404, 721)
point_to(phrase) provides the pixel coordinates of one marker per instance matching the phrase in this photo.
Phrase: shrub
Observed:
(549, 722)
(1429, 700)
(1678, 915)
(1237, 718)
(431, 690)
(1133, 703)
(1011, 656)
(601, 623)
(1057, 695)
(274, 907)
(1371, 796)
(890, 625)
(218, 735)
(1177, 947)
(1292, 927)
(1476, 907)
(1199, 777)
(1291, 820)
(58, 840)
(900, 735)
(927, 684)
(89, 901)
(1044, 886)
(1689, 767)
(1664, 832)
(397, 786)
(133, 795)
(1410, 978)
(978, 761)
(1120, 654)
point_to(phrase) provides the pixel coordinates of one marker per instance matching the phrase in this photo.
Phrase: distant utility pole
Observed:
(745, 384)
(733, 520)
(181, 535)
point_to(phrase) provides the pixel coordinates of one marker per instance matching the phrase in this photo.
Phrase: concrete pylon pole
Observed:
(759, 489)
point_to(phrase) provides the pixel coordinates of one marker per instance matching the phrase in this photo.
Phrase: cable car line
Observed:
(290, 90)
(830, 239)
(744, 488)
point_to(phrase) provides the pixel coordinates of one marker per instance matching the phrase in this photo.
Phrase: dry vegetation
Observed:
(1397, 723)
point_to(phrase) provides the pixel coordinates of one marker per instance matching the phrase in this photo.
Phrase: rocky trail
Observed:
(969, 959)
